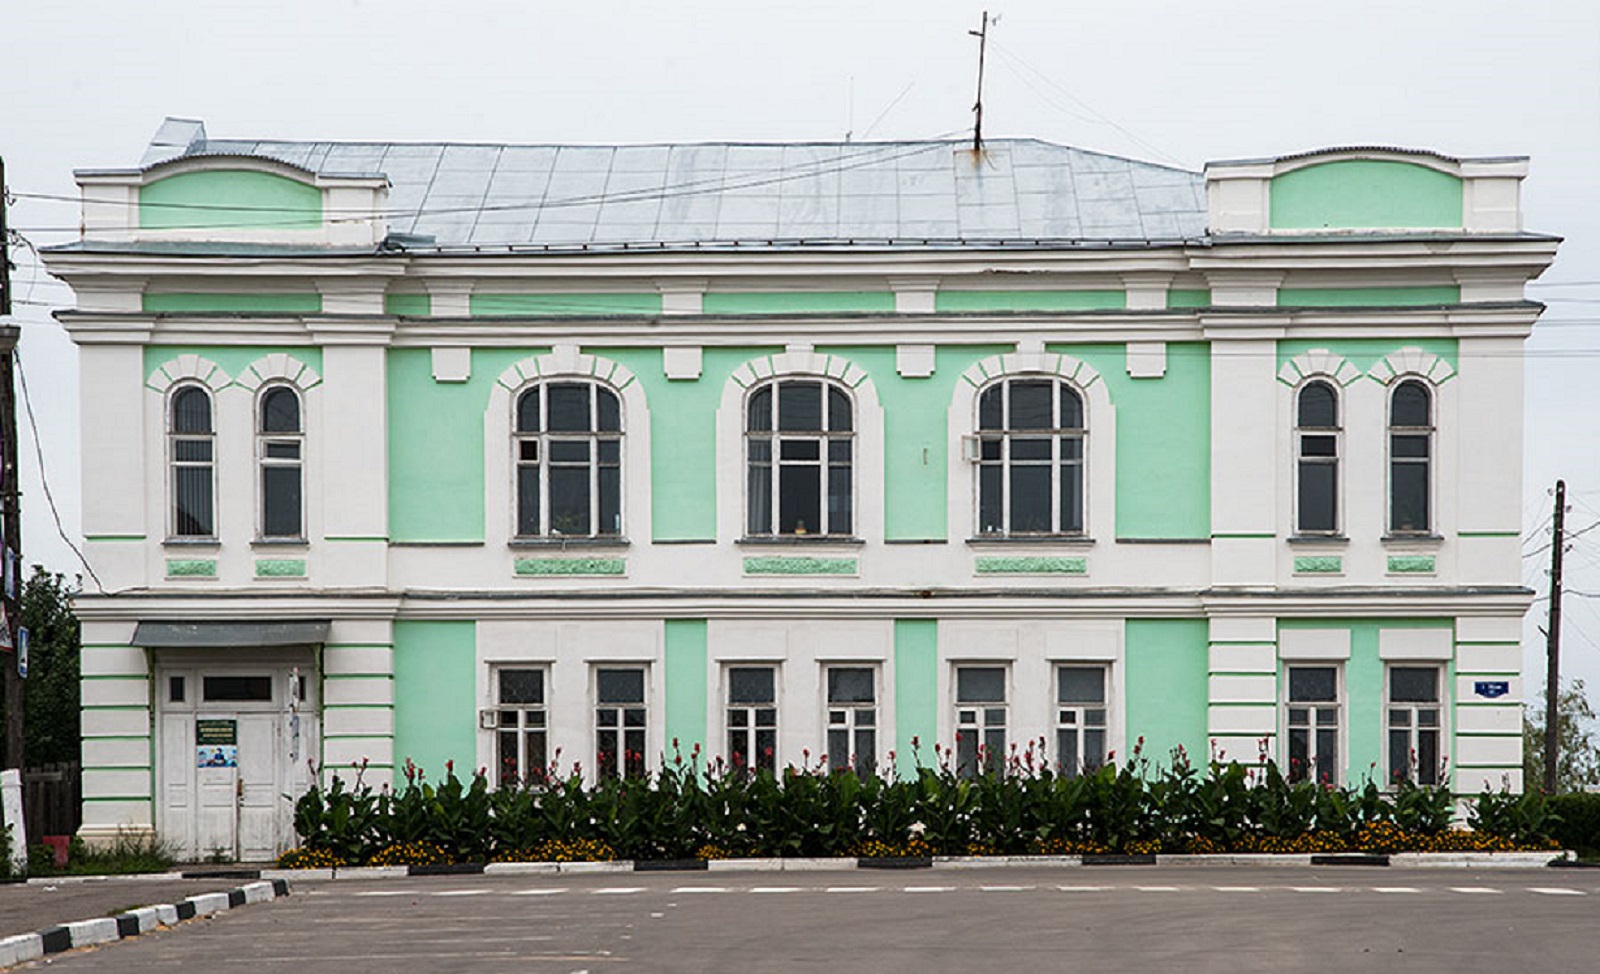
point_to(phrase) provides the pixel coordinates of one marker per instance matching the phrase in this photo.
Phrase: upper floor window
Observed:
(1030, 458)
(280, 442)
(799, 443)
(568, 457)
(192, 445)
(1317, 459)
(1410, 458)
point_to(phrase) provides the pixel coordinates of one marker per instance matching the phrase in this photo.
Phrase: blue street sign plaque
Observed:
(1491, 688)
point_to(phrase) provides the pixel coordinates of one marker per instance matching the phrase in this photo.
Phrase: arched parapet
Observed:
(1318, 361)
(1412, 361)
(188, 368)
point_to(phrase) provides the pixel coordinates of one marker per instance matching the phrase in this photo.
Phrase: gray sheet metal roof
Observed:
(896, 193)
(230, 634)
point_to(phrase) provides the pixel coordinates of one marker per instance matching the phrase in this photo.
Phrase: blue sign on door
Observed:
(1491, 688)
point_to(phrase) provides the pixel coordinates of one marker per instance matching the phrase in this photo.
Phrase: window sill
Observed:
(280, 543)
(801, 541)
(1048, 540)
(191, 543)
(1417, 540)
(1318, 539)
(564, 544)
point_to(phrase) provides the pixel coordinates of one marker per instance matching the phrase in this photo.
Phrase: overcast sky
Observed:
(87, 82)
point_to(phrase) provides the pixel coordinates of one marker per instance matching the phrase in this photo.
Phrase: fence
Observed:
(52, 797)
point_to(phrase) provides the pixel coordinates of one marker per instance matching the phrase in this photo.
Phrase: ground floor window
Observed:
(619, 722)
(1080, 719)
(852, 718)
(980, 719)
(753, 717)
(1313, 724)
(1414, 724)
(521, 742)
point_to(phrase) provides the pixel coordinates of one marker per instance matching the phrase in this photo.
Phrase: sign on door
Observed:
(216, 743)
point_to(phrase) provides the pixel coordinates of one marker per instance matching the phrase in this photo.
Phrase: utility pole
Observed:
(977, 109)
(1552, 686)
(10, 515)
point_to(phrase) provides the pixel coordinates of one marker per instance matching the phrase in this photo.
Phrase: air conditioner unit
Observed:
(488, 720)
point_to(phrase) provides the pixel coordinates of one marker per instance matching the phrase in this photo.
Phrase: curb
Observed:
(104, 930)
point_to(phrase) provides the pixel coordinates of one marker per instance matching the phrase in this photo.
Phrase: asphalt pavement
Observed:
(1178, 918)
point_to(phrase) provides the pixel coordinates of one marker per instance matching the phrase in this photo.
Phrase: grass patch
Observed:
(128, 853)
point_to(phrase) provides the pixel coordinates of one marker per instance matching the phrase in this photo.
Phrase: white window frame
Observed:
(527, 719)
(752, 726)
(1004, 438)
(1314, 768)
(1431, 463)
(982, 721)
(1336, 461)
(849, 723)
(265, 442)
(539, 442)
(619, 762)
(1080, 713)
(174, 464)
(776, 463)
(1413, 710)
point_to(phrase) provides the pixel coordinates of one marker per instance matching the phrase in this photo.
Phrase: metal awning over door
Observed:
(230, 634)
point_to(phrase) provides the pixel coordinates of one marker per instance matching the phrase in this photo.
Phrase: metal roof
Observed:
(230, 634)
(674, 195)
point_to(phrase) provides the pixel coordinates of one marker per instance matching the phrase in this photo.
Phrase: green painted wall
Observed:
(958, 301)
(229, 200)
(236, 303)
(1166, 662)
(408, 304)
(232, 359)
(435, 695)
(1372, 297)
(1188, 298)
(685, 645)
(683, 437)
(1163, 440)
(1363, 193)
(565, 304)
(436, 444)
(916, 439)
(798, 302)
(916, 692)
(1363, 687)
(1364, 353)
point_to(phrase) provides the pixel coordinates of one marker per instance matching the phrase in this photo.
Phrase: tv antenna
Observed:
(982, 34)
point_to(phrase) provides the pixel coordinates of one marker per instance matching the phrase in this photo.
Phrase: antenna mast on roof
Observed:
(977, 109)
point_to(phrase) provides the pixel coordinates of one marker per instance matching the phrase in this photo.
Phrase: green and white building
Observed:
(486, 453)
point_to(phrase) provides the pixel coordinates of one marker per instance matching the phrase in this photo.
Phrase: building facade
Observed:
(532, 456)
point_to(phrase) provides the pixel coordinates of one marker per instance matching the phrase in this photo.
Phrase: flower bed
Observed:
(687, 812)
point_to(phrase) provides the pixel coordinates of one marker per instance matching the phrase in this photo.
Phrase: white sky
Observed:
(87, 82)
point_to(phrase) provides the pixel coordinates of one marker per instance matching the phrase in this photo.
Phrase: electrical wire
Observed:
(44, 479)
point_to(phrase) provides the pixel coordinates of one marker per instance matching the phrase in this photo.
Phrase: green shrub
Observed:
(1577, 822)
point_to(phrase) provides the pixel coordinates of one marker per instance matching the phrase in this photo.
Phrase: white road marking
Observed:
(1237, 889)
(930, 889)
(775, 889)
(1475, 889)
(852, 889)
(1005, 889)
(1315, 889)
(384, 892)
(539, 892)
(461, 892)
(1395, 889)
(1157, 889)
(616, 890)
(701, 889)
(1083, 889)
(1556, 891)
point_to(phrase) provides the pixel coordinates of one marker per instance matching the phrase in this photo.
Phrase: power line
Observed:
(44, 479)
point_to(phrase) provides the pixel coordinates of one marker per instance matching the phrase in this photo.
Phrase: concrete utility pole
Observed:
(10, 514)
(1552, 686)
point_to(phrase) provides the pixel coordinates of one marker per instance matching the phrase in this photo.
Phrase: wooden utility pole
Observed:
(1552, 685)
(10, 513)
(977, 109)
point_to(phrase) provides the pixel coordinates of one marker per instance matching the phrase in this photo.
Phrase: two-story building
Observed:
(531, 455)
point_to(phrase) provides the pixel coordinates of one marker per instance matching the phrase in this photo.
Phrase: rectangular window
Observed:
(1313, 724)
(852, 719)
(522, 738)
(980, 720)
(236, 689)
(1080, 719)
(619, 722)
(1414, 722)
(753, 717)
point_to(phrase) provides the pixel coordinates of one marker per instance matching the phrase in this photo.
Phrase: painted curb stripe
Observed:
(103, 930)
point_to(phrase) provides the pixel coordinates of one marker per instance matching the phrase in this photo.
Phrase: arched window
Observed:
(1410, 458)
(568, 458)
(280, 447)
(1317, 459)
(1030, 458)
(799, 443)
(192, 445)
